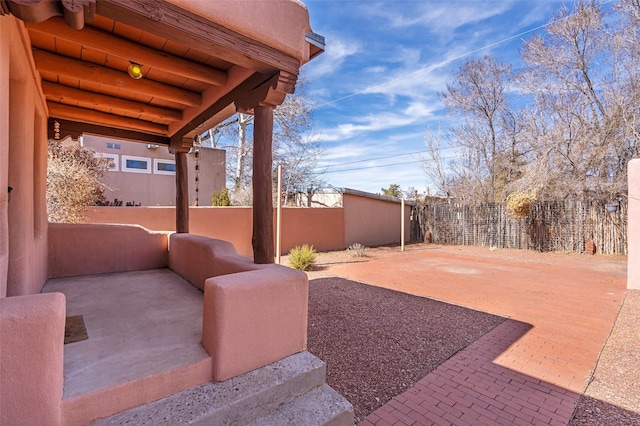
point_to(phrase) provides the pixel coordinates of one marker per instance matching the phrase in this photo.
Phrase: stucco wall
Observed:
(373, 222)
(633, 230)
(23, 141)
(324, 228)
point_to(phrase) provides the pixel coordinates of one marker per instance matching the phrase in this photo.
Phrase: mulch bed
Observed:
(379, 342)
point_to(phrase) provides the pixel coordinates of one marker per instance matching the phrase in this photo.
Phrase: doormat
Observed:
(74, 329)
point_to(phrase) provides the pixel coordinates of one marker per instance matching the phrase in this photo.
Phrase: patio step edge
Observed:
(321, 406)
(239, 400)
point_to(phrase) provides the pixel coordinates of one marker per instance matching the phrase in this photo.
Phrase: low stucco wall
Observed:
(253, 314)
(31, 354)
(84, 249)
(324, 228)
(374, 222)
(633, 226)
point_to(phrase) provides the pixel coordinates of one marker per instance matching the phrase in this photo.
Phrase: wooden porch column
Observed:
(262, 100)
(182, 193)
(180, 149)
(262, 240)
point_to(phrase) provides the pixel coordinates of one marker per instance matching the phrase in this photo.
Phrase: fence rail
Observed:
(562, 226)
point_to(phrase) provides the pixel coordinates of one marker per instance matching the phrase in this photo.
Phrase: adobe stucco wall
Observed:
(633, 230)
(23, 157)
(373, 222)
(324, 228)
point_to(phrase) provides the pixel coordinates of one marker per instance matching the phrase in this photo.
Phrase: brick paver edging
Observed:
(470, 389)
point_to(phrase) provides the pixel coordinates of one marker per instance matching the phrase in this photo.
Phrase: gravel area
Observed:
(379, 342)
(613, 395)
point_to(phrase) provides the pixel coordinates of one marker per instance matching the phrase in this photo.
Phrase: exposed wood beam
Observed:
(103, 119)
(65, 94)
(75, 12)
(187, 28)
(113, 45)
(251, 82)
(74, 129)
(61, 65)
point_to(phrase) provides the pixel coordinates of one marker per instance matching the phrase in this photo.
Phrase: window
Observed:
(136, 164)
(114, 160)
(113, 145)
(164, 167)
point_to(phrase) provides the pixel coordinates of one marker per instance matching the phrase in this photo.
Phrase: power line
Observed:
(383, 165)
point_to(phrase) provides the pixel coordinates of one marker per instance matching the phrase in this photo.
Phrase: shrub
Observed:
(221, 198)
(302, 257)
(519, 204)
(73, 181)
(358, 250)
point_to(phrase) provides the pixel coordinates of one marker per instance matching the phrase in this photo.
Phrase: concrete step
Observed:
(237, 401)
(321, 406)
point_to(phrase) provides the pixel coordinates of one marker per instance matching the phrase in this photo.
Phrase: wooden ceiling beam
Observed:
(50, 62)
(65, 94)
(229, 98)
(74, 129)
(69, 112)
(189, 29)
(113, 45)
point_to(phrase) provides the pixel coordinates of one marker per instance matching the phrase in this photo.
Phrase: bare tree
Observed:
(478, 94)
(585, 83)
(293, 147)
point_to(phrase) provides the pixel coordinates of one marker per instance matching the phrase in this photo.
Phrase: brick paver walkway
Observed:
(530, 370)
(469, 389)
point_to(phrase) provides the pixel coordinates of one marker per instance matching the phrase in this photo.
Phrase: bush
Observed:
(358, 250)
(302, 257)
(519, 204)
(221, 198)
(73, 181)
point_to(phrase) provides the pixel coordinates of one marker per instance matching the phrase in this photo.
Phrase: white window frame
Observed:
(156, 163)
(114, 157)
(124, 167)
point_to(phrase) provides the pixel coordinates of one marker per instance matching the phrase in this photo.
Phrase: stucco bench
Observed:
(253, 314)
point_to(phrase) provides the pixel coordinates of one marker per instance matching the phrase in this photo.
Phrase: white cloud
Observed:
(442, 17)
(337, 51)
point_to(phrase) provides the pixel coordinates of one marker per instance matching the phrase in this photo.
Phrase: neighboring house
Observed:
(145, 174)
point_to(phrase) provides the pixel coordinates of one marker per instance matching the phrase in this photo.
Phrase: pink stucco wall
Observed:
(373, 222)
(633, 226)
(324, 228)
(23, 145)
(281, 24)
(85, 249)
(31, 359)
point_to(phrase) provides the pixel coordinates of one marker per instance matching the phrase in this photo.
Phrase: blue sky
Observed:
(376, 85)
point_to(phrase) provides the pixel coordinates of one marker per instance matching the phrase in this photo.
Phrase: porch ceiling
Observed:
(196, 72)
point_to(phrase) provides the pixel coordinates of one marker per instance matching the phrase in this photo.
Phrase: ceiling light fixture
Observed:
(135, 70)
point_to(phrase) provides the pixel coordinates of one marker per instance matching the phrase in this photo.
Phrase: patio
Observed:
(567, 305)
(139, 324)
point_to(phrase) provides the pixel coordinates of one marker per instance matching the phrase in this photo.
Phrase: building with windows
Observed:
(144, 174)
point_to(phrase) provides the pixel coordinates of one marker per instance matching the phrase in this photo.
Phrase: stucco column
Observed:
(4, 155)
(182, 192)
(633, 226)
(262, 240)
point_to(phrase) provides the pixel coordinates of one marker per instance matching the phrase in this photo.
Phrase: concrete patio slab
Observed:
(139, 324)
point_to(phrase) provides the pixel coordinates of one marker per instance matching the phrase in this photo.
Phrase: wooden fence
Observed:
(562, 226)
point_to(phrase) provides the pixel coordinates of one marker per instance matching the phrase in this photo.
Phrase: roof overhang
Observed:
(201, 61)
